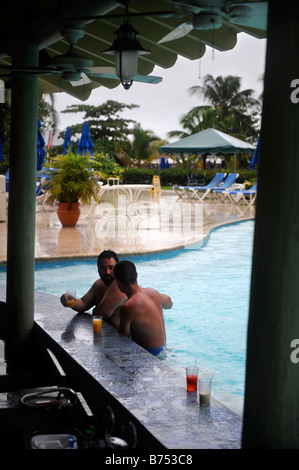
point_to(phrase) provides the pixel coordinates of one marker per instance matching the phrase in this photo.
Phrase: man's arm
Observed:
(85, 303)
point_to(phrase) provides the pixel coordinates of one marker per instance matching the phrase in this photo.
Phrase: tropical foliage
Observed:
(121, 142)
(141, 149)
(238, 112)
(197, 120)
(108, 129)
(107, 166)
(48, 116)
(71, 179)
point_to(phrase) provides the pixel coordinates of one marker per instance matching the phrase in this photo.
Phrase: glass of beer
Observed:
(70, 298)
(97, 324)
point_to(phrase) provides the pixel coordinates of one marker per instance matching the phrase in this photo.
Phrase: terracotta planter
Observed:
(68, 214)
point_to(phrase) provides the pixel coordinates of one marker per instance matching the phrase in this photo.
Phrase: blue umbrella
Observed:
(85, 142)
(67, 144)
(7, 181)
(164, 163)
(41, 153)
(1, 152)
(256, 156)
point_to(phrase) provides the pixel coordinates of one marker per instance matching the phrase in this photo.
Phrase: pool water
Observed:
(209, 285)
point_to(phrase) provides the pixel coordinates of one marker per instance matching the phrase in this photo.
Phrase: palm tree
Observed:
(197, 120)
(143, 148)
(225, 93)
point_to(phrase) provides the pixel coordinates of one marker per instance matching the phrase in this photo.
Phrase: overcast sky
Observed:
(162, 105)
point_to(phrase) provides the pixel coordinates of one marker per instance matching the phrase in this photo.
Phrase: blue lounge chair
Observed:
(238, 196)
(229, 181)
(192, 191)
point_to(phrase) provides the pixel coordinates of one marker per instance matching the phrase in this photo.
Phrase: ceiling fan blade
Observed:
(179, 32)
(147, 79)
(84, 80)
(137, 78)
(97, 69)
(251, 14)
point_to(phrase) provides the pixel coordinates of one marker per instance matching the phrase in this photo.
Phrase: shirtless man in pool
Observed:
(141, 316)
(104, 294)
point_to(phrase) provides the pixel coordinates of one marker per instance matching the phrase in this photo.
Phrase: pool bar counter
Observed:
(139, 388)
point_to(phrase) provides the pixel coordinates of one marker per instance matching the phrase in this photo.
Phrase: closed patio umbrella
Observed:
(40, 156)
(85, 142)
(164, 163)
(41, 153)
(67, 144)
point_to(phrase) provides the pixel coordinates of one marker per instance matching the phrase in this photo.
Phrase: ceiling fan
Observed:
(77, 69)
(205, 17)
(74, 67)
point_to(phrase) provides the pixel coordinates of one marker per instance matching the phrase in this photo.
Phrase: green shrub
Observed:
(107, 166)
(138, 175)
(179, 176)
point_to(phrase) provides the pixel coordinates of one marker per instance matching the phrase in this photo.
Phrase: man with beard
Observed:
(104, 295)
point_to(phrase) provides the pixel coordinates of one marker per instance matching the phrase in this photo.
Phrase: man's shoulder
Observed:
(149, 290)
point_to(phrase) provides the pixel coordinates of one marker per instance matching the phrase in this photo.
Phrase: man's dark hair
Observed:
(107, 254)
(125, 272)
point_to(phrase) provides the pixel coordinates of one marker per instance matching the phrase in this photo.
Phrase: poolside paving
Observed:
(148, 226)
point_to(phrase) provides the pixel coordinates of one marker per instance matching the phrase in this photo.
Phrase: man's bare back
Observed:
(141, 316)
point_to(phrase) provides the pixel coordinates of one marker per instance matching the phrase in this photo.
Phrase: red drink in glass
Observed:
(191, 383)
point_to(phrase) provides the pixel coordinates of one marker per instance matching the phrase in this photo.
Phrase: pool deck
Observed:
(150, 226)
(155, 394)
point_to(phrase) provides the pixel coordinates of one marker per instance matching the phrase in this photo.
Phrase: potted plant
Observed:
(72, 181)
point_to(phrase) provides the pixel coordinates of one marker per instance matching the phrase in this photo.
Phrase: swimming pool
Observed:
(209, 286)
